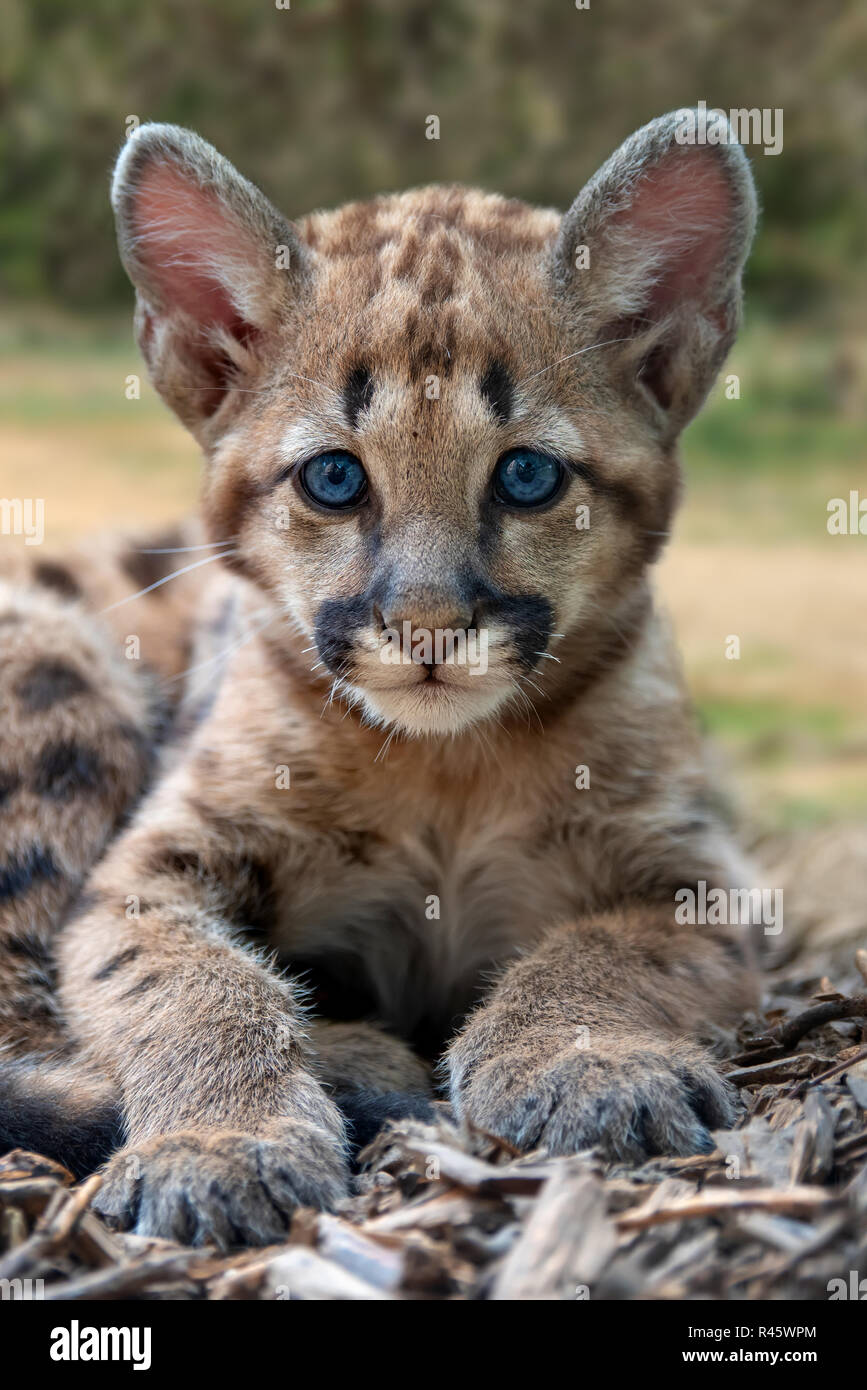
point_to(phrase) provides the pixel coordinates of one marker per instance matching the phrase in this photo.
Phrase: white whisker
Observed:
(263, 390)
(527, 705)
(182, 549)
(607, 617)
(330, 700)
(159, 582)
(542, 692)
(385, 747)
(580, 353)
(226, 651)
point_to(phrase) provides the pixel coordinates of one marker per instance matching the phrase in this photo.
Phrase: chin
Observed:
(433, 708)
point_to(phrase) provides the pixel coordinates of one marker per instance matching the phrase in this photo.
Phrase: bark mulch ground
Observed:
(778, 1211)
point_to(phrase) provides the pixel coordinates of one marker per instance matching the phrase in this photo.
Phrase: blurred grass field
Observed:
(750, 555)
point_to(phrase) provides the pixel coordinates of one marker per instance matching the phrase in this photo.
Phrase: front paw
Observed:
(223, 1187)
(624, 1097)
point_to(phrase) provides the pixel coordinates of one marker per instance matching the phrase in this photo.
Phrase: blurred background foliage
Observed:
(327, 101)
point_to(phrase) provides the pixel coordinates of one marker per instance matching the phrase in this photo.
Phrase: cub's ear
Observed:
(214, 265)
(651, 253)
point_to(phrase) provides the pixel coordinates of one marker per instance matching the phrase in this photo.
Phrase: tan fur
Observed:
(429, 851)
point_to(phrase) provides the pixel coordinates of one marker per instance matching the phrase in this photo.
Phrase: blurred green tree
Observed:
(327, 101)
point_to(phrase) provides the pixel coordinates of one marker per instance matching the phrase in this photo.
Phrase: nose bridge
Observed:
(428, 577)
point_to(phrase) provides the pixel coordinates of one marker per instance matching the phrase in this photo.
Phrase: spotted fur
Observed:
(410, 844)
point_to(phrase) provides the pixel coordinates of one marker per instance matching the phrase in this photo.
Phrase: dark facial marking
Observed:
(497, 390)
(408, 257)
(430, 342)
(48, 683)
(530, 619)
(56, 577)
(529, 616)
(65, 770)
(439, 280)
(337, 623)
(357, 394)
(117, 962)
(624, 498)
(21, 871)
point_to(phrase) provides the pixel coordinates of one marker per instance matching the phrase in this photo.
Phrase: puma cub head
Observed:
(440, 427)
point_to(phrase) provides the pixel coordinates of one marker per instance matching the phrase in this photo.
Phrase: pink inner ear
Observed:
(683, 206)
(185, 233)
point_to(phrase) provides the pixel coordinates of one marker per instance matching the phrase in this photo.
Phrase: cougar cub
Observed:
(433, 782)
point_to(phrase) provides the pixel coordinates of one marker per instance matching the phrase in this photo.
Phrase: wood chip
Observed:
(441, 1212)
(565, 1245)
(300, 1273)
(794, 1200)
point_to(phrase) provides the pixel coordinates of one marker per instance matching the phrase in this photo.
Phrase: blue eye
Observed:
(334, 480)
(525, 478)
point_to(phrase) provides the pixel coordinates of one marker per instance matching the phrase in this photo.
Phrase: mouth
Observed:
(428, 677)
(433, 676)
(424, 681)
(431, 701)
